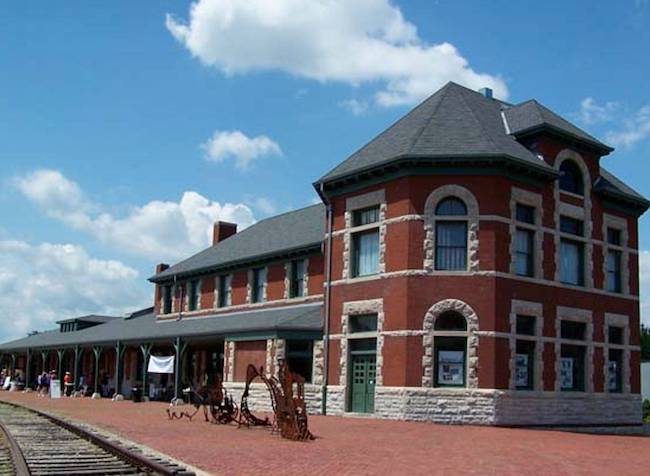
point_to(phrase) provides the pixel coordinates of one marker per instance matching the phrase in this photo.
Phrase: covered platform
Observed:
(108, 356)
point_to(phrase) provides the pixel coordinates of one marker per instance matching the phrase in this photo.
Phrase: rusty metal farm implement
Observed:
(286, 392)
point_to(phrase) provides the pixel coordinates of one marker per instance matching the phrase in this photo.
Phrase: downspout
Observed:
(328, 287)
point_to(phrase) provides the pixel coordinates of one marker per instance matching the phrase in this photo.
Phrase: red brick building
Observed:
(473, 263)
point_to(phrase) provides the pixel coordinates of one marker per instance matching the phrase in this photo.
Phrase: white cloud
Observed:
(636, 128)
(644, 286)
(224, 145)
(355, 106)
(265, 205)
(363, 41)
(591, 112)
(158, 230)
(40, 284)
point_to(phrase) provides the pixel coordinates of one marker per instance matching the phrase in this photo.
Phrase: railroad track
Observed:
(32, 442)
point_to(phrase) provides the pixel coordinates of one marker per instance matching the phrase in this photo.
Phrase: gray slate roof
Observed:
(94, 318)
(531, 115)
(453, 122)
(609, 183)
(272, 236)
(145, 328)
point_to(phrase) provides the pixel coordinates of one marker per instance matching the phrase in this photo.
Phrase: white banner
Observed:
(161, 365)
(55, 389)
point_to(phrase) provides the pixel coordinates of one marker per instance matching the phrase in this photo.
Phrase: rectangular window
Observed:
(572, 262)
(258, 284)
(524, 365)
(614, 276)
(362, 323)
(167, 299)
(300, 357)
(297, 278)
(194, 295)
(573, 330)
(365, 249)
(615, 334)
(615, 371)
(614, 236)
(451, 245)
(572, 368)
(525, 214)
(524, 259)
(526, 325)
(225, 290)
(365, 216)
(572, 226)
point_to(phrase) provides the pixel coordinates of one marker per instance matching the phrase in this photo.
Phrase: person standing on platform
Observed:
(67, 384)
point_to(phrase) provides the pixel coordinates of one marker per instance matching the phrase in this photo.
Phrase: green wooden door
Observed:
(363, 383)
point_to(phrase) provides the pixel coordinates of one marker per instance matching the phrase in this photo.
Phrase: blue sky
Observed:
(125, 127)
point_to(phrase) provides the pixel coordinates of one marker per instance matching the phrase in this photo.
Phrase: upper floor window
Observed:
(451, 235)
(225, 290)
(362, 323)
(365, 216)
(297, 286)
(572, 257)
(614, 262)
(365, 244)
(571, 178)
(194, 295)
(258, 285)
(525, 214)
(167, 299)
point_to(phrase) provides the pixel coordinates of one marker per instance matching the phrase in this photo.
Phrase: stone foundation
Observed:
(469, 406)
(497, 407)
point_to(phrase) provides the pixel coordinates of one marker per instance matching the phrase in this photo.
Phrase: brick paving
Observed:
(355, 446)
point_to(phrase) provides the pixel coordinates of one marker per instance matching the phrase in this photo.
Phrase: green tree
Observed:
(645, 343)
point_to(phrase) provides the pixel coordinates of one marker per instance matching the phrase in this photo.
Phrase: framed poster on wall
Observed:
(566, 373)
(521, 370)
(612, 376)
(451, 367)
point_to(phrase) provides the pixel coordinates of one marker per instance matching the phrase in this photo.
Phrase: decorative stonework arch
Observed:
(472, 218)
(435, 311)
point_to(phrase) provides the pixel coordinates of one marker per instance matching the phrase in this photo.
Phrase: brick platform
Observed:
(350, 446)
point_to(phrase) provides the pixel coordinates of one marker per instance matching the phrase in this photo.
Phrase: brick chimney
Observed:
(160, 267)
(222, 230)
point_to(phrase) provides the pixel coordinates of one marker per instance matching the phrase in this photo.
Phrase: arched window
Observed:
(571, 178)
(451, 206)
(451, 235)
(450, 321)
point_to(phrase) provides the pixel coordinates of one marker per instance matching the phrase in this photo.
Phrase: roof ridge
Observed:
(480, 123)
